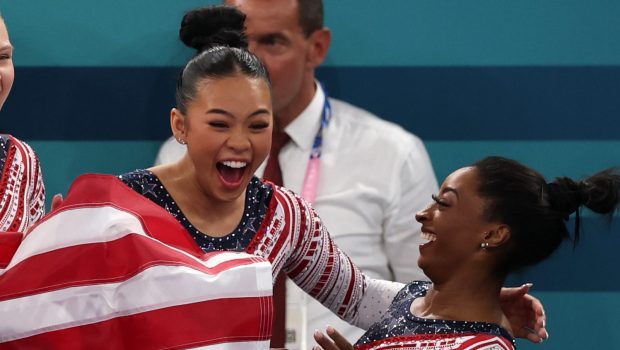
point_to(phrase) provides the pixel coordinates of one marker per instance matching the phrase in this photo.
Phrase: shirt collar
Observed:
(303, 129)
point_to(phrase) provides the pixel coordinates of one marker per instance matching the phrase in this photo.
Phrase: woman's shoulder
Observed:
(136, 175)
(283, 195)
(413, 290)
(10, 138)
(5, 143)
(140, 180)
(5, 137)
(13, 152)
(7, 140)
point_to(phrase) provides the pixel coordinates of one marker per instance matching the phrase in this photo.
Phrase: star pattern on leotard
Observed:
(399, 321)
(258, 195)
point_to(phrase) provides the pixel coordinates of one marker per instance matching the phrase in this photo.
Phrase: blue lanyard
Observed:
(311, 180)
(325, 118)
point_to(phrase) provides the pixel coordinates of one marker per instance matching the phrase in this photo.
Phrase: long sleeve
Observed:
(36, 192)
(378, 296)
(320, 268)
(325, 272)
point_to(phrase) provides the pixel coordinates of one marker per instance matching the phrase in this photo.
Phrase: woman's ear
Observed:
(497, 237)
(177, 124)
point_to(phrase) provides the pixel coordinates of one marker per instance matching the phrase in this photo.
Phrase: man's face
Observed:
(277, 38)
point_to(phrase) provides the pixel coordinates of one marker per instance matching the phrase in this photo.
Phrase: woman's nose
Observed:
(420, 216)
(423, 214)
(238, 141)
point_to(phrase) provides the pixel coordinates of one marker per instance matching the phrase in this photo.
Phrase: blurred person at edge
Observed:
(22, 193)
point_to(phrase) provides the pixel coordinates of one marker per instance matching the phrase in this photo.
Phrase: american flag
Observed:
(110, 269)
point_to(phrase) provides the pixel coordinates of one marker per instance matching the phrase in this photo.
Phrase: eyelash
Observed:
(256, 127)
(439, 201)
(259, 126)
(218, 124)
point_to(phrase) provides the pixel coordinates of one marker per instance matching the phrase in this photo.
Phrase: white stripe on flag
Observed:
(222, 257)
(77, 226)
(92, 225)
(76, 306)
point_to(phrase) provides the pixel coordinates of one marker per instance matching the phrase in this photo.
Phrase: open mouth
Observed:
(428, 238)
(231, 171)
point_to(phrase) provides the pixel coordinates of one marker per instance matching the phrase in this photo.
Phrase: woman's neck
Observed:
(463, 299)
(207, 214)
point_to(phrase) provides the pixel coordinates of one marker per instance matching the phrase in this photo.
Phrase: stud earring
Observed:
(484, 245)
(181, 141)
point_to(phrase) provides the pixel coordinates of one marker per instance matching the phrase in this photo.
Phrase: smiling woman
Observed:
(224, 116)
(487, 220)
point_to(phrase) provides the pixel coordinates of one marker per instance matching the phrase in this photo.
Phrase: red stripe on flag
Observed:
(9, 242)
(92, 190)
(124, 258)
(198, 324)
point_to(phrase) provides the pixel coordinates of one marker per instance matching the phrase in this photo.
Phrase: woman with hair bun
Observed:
(487, 220)
(224, 115)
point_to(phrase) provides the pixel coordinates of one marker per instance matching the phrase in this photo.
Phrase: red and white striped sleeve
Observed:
(316, 264)
(36, 191)
(21, 187)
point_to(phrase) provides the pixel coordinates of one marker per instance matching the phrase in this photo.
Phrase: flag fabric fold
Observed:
(111, 269)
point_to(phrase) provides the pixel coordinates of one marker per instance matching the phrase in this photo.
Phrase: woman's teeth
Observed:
(429, 236)
(234, 164)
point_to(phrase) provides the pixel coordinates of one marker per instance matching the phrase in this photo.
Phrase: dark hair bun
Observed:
(566, 195)
(599, 193)
(211, 26)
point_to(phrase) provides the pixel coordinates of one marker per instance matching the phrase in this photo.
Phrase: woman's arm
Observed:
(325, 272)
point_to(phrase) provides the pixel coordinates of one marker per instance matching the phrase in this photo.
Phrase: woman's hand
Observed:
(337, 341)
(525, 313)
